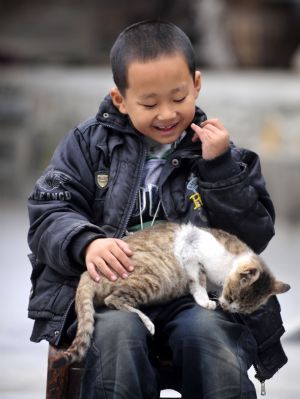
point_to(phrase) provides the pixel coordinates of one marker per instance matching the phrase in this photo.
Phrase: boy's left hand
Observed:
(213, 136)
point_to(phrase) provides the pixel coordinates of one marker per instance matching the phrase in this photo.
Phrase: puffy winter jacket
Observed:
(89, 191)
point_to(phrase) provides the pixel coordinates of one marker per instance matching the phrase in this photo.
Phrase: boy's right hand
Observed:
(108, 257)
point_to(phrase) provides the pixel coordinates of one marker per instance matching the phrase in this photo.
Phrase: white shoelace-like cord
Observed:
(141, 212)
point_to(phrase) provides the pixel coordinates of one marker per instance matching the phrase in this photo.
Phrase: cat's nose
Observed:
(225, 306)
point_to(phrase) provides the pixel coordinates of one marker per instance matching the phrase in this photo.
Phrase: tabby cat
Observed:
(170, 261)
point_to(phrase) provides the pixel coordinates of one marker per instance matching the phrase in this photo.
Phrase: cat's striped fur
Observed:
(170, 261)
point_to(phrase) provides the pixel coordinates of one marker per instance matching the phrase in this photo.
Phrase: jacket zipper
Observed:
(162, 203)
(263, 391)
(239, 319)
(172, 155)
(121, 232)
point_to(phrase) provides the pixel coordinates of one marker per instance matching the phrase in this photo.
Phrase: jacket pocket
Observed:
(37, 268)
(51, 294)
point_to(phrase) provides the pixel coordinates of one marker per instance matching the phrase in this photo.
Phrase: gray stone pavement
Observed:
(23, 364)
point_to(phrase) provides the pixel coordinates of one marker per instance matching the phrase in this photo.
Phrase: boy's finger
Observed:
(117, 264)
(123, 253)
(197, 129)
(125, 247)
(104, 269)
(93, 272)
(210, 128)
(214, 121)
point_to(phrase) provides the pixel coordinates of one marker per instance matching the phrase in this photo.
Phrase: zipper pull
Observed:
(263, 388)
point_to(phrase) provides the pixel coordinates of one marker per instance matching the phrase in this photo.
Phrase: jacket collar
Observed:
(110, 116)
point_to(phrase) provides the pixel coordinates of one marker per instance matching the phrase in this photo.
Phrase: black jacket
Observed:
(89, 191)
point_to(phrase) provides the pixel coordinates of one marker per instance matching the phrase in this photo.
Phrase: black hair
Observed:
(146, 41)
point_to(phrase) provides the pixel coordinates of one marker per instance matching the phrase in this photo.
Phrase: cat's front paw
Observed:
(203, 300)
(206, 303)
(210, 305)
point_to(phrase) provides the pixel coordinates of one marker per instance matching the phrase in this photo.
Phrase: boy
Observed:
(149, 155)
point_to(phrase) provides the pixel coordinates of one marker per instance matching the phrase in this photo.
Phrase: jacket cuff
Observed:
(219, 168)
(79, 243)
(269, 361)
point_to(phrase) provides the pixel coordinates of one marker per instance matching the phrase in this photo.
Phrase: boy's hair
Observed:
(146, 41)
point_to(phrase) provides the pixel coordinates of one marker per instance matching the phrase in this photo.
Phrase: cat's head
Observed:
(249, 285)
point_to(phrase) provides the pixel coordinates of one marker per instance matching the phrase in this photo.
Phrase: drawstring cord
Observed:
(141, 212)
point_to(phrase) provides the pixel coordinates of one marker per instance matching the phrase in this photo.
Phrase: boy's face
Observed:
(160, 98)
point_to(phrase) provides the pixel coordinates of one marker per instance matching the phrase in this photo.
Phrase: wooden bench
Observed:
(64, 382)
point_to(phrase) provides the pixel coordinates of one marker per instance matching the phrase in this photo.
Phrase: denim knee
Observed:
(116, 327)
(118, 364)
(206, 325)
(212, 353)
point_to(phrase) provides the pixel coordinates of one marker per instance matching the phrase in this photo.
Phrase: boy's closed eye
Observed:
(180, 100)
(148, 105)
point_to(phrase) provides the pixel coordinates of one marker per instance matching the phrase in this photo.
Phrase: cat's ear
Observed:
(249, 275)
(279, 287)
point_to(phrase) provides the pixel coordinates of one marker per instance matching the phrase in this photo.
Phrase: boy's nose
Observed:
(166, 114)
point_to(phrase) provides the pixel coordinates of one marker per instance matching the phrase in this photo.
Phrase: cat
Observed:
(171, 261)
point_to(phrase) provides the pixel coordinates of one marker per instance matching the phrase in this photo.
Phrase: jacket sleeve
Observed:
(60, 207)
(234, 194)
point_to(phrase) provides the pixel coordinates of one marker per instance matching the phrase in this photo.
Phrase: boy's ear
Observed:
(197, 84)
(118, 100)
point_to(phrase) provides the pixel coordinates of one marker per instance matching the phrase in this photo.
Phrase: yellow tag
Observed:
(196, 198)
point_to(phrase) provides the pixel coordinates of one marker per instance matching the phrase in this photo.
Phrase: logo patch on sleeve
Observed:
(53, 180)
(51, 187)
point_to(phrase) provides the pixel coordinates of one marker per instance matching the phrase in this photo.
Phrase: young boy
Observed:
(150, 155)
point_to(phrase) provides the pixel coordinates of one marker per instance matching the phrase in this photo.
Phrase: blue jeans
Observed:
(210, 350)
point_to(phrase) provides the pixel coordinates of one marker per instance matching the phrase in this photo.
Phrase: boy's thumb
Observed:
(198, 132)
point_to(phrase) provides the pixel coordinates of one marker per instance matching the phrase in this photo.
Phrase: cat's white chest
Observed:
(195, 246)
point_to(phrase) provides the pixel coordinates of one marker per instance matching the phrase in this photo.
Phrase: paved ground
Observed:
(23, 364)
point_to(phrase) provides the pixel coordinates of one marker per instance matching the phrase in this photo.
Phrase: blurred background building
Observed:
(54, 71)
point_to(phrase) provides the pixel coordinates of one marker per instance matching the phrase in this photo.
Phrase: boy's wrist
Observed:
(220, 168)
(80, 243)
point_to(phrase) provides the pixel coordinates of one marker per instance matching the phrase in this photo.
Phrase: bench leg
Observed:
(57, 379)
(64, 382)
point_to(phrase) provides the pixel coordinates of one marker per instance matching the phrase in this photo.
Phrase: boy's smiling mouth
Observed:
(166, 128)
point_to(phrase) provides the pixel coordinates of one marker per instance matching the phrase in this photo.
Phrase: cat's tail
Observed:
(85, 315)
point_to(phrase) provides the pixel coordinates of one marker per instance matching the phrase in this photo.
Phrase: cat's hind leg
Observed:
(117, 302)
